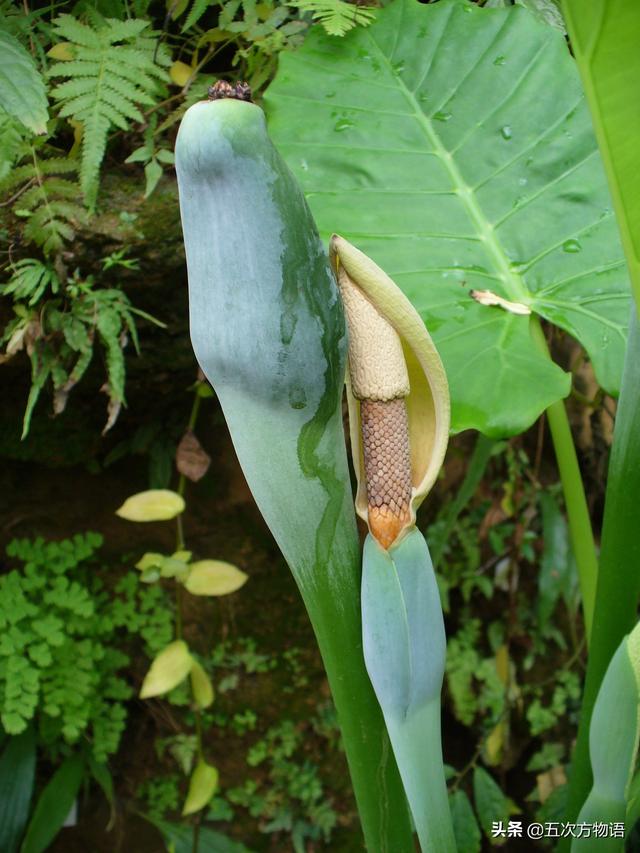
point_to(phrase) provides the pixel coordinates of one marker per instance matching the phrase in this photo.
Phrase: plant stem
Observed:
(417, 744)
(619, 577)
(475, 471)
(182, 485)
(180, 546)
(580, 530)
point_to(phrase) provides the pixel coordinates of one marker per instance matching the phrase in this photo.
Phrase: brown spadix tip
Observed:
(221, 89)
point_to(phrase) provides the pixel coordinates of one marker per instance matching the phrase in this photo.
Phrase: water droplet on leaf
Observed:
(571, 246)
(500, 60)
(343, 124)
(506, 132)
(441, 116)
(297, 398)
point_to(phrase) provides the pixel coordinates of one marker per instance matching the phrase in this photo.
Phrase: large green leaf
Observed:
(22, 89)
(452, 144)
(604, 36)
(17, 772)
(54, 804)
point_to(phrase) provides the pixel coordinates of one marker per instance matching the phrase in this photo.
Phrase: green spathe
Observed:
(405, 647)
(268, 331)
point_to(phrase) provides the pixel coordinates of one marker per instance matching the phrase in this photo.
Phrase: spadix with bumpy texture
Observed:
(268, 330)
(399, 421)
(398, 397)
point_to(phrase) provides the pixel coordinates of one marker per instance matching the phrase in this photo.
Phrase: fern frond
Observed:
(57, 165)
(198, 8)
(46, 201)
(56, 187)
(49, 230)
(124, 30)
(336, 16)
(112, 75)
(128, 88)
(30, 280)
(77, 87)
(142, 57)
(17, 176)
(68, 28)
(133, 74)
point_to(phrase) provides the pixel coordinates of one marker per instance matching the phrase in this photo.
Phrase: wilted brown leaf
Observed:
(191, 459)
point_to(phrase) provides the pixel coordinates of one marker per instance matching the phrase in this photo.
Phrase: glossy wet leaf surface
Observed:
(453, 145)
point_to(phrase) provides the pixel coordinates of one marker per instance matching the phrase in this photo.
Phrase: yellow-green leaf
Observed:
(174, 568)
(202, 787)
(149, 561)
(167, 670)
(201, 686)
(214, 577)
(184, 556)
(62, 51)
(153, 505)
(180, 73)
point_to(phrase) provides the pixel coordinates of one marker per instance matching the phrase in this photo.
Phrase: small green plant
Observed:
(242, 654)
(153, 157)
(292, 798)
(59, 663)
(160, 795)
(66, 635)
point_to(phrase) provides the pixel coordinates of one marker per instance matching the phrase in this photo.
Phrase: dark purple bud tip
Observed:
(221, 89)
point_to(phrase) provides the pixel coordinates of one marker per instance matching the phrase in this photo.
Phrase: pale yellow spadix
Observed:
(374, 304)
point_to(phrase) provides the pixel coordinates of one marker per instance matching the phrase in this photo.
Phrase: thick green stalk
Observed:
(418, 749)
(619, 578)
(580, 530)
(268, 331)
(604, 38)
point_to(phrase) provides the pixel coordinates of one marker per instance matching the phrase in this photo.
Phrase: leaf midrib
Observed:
(513, 283)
